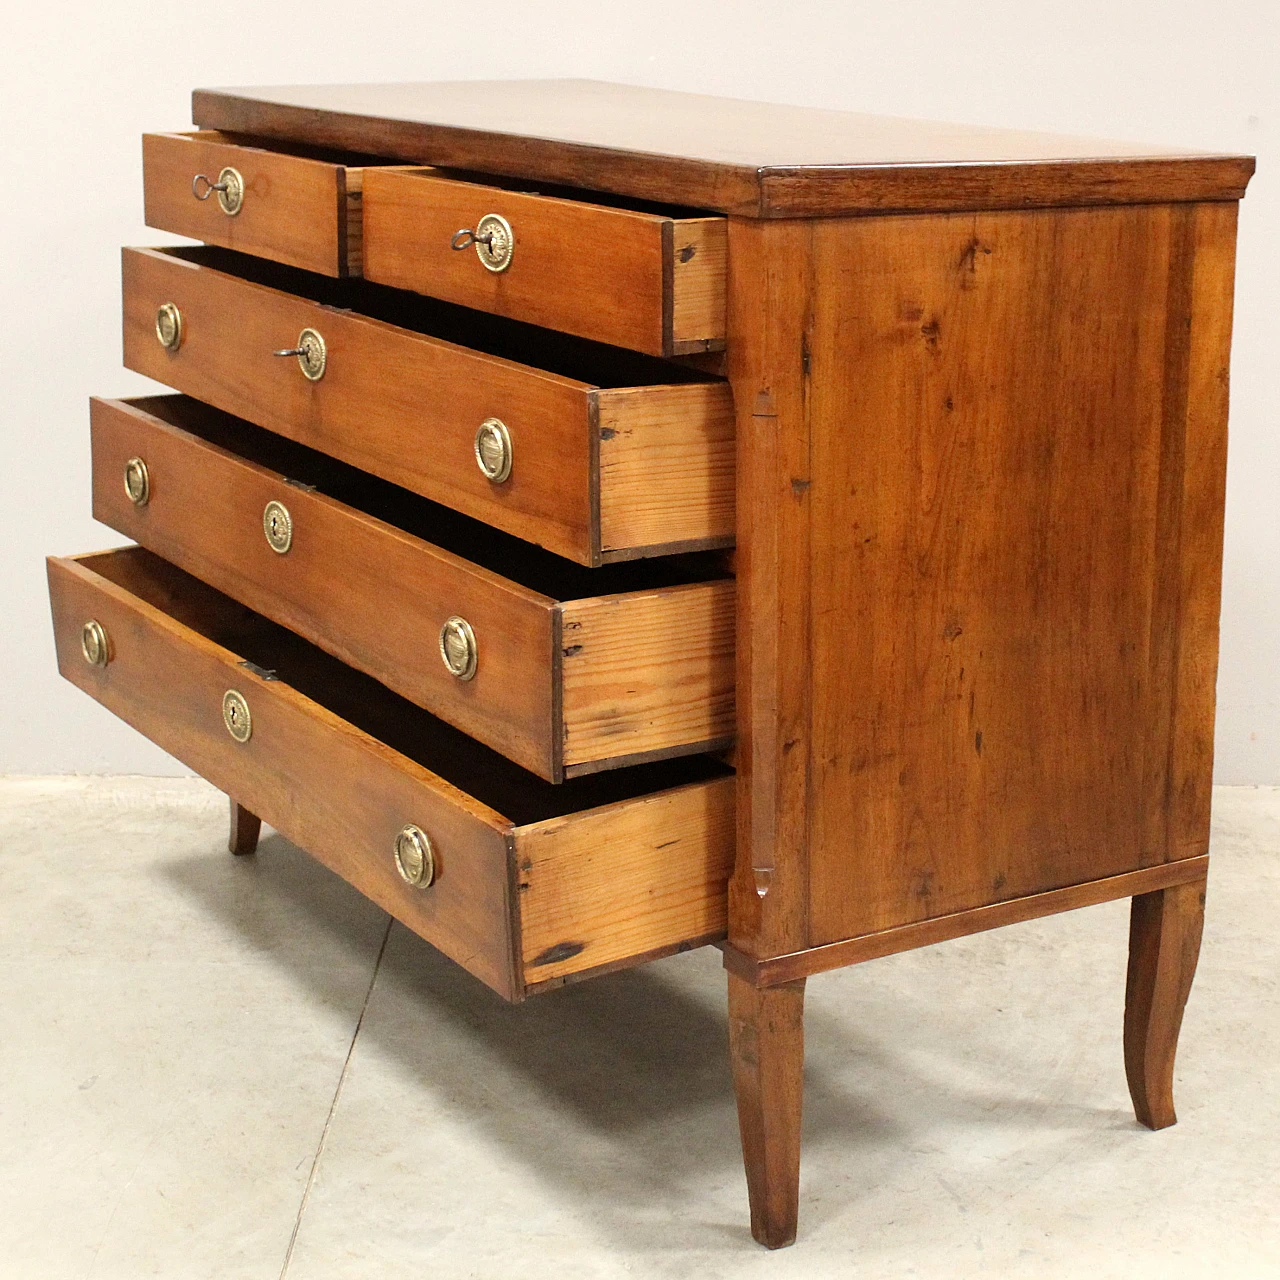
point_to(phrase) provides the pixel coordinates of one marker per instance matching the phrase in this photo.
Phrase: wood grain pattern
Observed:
(624, 880)
(748, 158)
(589, 269)
(766, 1046)
(1184, 635)
(296, 209)
(699, 270)
(242, 838)
(645, 670)
(388, 391)
(666, 468)
(648, 671)
(770, 317)
(1164, 945)
(994, 400)
(618, 880)
(927, 933)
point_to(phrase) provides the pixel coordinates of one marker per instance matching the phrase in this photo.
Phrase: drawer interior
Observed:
(592, 363)
(472, 540)
(520, 796)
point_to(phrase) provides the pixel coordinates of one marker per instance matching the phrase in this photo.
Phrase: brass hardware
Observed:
(277, 524)
(415, 858)
(311, 354)
(93, 644)
(458, 648)
(169, 326)
(229, 186)
(495, 242)
(493, 449)
(235, 715)
(137, 482)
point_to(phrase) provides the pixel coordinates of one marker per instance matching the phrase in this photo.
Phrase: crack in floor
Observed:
(333, 1106)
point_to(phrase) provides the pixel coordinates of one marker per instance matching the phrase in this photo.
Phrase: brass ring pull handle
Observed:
(493, 240)
(229, 186)
(311, 353)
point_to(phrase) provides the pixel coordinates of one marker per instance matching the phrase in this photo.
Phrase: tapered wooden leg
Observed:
(1164, 944)
(766, 1043)
(245, 827)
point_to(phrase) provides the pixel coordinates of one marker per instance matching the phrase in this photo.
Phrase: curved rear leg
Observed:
(1164, 945)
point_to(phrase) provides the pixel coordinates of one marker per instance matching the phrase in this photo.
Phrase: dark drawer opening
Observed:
(594, 363)
(514, 792)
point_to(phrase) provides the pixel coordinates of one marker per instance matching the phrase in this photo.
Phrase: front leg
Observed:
(245, 828)
(766, 1043)
(1164, 944)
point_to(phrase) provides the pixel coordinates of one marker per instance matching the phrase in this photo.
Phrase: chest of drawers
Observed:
(598, 522)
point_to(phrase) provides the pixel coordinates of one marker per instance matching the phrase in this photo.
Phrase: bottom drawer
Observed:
(532, 883)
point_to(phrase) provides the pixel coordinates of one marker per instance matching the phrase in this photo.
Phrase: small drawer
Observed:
(646, 279)
(565, 670)
(301, 206)
(531, 884)
(610, 455)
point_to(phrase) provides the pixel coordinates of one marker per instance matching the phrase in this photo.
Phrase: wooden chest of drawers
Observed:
(680, 521)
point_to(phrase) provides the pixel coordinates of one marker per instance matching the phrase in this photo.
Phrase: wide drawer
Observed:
(533, 883)
(300, 206)
(565, 670)
(649, 280)
(610, 455)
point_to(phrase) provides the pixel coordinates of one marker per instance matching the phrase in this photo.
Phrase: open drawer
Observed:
(593, 452)
(614, 270)
(564, 669)
(299, 205)
(524, 883)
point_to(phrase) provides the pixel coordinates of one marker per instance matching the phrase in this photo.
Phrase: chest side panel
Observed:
(1017, 429)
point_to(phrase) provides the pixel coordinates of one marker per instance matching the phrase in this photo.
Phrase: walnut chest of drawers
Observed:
(599, 522)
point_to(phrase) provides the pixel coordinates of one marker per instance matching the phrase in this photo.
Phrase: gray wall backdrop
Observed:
(80, 82)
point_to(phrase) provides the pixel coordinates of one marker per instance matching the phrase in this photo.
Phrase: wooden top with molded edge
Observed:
(754, 159)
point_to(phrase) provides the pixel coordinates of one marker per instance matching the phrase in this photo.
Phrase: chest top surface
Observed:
(749, 158)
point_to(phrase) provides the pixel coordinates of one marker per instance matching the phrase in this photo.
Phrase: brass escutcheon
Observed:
(169, 326)
(93, 644)
(277, 524)
(137, 482)
(458, 648)
(493, 449)
(415, 858)
(311, 354)
(494, 241)
(235, 715)
(229, 186)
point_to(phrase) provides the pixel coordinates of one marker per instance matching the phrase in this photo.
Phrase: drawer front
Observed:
(522, 907)
(639, 280)
(331, 789)
(390, 401)
(363, 590)
(285, 207)
(562, 688)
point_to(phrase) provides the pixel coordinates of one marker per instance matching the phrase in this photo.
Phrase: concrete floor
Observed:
(219, 1067)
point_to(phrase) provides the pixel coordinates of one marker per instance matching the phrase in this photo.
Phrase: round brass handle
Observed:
(415, 857)
(493, 449)
(169, 326)
(494, 241)
(229, 186)
(311, 353)
(277, 524)
(458, 648)
(236, 716)
(137, 482)
(94, 644)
